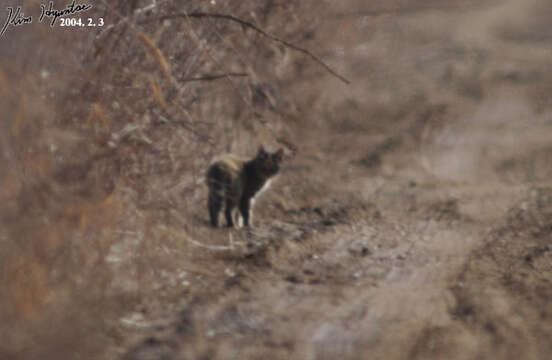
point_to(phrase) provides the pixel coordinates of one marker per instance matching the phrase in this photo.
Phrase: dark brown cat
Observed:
(235, 182)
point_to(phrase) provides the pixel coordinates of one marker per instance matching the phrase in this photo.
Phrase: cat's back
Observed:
(226, 165)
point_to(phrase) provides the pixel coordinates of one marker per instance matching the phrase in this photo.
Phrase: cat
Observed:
(234, 182)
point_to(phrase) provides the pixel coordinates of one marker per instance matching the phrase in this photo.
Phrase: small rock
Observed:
(229, 272)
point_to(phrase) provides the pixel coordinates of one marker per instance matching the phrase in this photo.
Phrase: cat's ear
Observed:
(262, 150)
(279, 154)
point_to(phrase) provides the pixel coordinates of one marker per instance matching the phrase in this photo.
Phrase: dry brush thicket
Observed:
(105, 137)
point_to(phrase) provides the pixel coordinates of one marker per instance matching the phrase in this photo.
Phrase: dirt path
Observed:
(420, 233)
(345, 278)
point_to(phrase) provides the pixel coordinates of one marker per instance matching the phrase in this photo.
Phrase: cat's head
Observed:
(267, 163)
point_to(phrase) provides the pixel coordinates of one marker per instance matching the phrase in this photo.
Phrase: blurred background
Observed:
(425, 181)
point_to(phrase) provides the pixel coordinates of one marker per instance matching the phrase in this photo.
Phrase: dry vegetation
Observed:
(411, 220)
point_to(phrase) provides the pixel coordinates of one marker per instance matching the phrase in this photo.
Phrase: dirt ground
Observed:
(428, 242)
(426, 238)
(413, 222)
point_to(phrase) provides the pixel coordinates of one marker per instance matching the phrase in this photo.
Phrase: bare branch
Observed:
(212, 77)
(259, 30)
(401, 11)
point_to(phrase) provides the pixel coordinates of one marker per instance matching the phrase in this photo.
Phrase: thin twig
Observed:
(208, 53)
(399, 11)
(259, 30)
(137, 30)
(124, 19)
(212, 77)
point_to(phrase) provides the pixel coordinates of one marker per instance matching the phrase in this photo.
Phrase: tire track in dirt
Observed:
(502, 293)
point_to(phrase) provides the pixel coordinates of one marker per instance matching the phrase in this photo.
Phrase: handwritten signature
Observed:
(16, 16)
(69, 9)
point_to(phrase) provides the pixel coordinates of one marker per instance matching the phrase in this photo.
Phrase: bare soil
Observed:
(424, 236)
